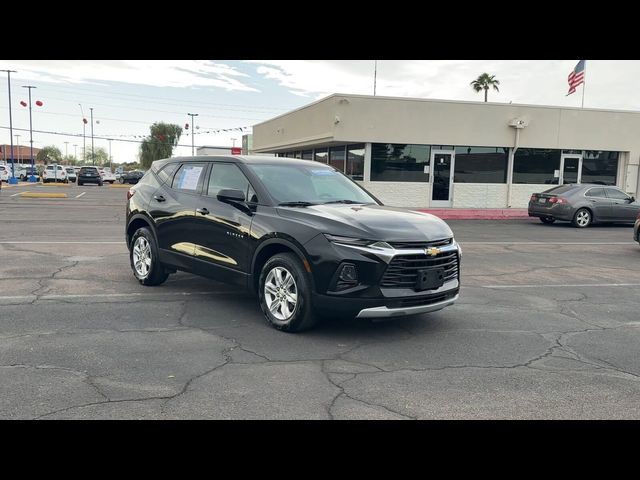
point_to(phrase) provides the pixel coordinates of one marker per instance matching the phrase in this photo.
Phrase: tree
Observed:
(69, 160)
(484, 82)
(49, 154)
(100, 157)
(160, 143)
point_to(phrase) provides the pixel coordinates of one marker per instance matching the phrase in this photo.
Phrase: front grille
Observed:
(419, 301)
(402, 272)
(422, 244)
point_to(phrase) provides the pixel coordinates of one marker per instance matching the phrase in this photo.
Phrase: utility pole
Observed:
(93, 157)
(32, 177)
(66, 146)
(110, 166)
(193, 131)
(13, 179)
(375, 75)
(84, 135)
(75, 152)
(18, 145)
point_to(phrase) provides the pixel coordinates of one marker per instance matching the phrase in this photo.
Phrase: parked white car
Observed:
(107, 175)
(71, 174)
(4, 173)
(54, 173)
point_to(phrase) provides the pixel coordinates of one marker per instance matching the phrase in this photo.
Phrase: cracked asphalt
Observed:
(547, 327)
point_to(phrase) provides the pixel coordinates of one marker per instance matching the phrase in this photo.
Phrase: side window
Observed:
(616, 194)
(595, 192)
(167, 172)
(188, 177)
(227, 175)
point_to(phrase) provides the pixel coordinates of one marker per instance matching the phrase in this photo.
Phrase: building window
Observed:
(336, 158)
(321, 155)
(481, 165)
(399, 162)
(296, 154)
(599, 167)
(355, 161)
(536, 165)
(307, 155)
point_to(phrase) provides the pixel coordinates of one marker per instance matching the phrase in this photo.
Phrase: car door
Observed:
(623, 209)
(173, 209)
(224, 228)
(599, 203)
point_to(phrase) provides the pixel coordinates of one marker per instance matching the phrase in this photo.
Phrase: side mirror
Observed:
(632, 199)
(231, 195)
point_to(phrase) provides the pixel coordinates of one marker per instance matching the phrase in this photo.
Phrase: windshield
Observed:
(309, 183)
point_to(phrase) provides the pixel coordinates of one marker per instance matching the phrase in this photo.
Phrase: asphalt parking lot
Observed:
(547, 327)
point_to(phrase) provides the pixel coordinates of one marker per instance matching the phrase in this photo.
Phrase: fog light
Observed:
(349, 273)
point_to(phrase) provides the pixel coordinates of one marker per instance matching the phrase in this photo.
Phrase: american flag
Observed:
(576, 77)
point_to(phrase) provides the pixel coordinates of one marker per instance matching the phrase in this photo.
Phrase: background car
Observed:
(54, 173)
(132, 177)
(71, 174)
(4, 173)
(107, 175)
(25, 171)
(583, 204)
(89, 175)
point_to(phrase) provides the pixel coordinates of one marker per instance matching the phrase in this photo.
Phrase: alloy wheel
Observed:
(281, 293)
(142, 257)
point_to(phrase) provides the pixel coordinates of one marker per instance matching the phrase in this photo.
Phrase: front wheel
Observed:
(582, 218)
(144, 258)
(285, 294)
(547, 220)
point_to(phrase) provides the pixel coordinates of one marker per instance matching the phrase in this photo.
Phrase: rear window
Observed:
(89, 169)
(560, 189)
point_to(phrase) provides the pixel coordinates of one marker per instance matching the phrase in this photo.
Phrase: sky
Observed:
(127, 96)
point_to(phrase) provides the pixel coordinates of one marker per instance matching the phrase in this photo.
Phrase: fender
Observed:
(286, 241)
(147, 219)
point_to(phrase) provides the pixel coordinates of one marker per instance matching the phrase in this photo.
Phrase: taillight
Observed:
(557, 200)
(130, 193)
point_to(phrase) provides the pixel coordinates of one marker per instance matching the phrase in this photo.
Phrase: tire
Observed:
(582, 218)
(80, 184)
(144, 259)
(287, 316)
(99, 184)
(547, 220)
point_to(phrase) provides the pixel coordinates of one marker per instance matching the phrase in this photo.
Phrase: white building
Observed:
(435, 153)
(213, 150)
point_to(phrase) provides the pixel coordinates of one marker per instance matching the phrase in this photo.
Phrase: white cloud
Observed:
(610, 83)
(156, 73)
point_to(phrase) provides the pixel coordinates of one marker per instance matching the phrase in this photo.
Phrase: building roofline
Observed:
(436, 100)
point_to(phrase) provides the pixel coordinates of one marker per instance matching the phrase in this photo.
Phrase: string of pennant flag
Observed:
(186, 134)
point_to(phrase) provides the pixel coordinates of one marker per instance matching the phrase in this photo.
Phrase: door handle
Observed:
(159, 198)
(203, 211)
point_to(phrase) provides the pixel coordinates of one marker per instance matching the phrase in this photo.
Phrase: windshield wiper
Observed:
(343, 201)
(296, 204)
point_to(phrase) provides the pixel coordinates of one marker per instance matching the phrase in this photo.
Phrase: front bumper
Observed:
(385, 312)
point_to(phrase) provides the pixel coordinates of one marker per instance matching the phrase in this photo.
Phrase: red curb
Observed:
(477, 213)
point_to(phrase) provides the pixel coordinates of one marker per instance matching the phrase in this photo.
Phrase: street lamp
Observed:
(18, 145)
(75, 152)
(66, 153)
(193, 131)
(13, 180)
(93, 158)
(110, 166)
(32, 177)
(84, 135)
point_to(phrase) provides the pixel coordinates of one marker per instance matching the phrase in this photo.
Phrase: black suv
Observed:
(133, 176)
(89, 175)
(302, 235)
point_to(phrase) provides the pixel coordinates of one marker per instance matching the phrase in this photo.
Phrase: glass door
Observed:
(571, 168)
(442, 167)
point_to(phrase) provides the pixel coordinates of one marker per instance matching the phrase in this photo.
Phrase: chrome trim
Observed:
(387, 254)
(378, 312)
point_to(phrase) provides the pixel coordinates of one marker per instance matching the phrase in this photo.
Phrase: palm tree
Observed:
(484, 82)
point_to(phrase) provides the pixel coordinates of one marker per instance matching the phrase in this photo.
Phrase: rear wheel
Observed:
(582, 218)
(285, 294)
(145, 261)
(547, 220)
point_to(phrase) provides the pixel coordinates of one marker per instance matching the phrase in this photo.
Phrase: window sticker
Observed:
(190, 177)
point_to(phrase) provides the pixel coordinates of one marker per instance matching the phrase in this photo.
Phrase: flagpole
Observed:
(584, 82)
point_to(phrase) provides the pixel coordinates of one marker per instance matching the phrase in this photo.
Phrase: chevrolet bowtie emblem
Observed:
(433, 251)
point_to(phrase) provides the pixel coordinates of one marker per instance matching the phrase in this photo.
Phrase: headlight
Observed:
(347, 240)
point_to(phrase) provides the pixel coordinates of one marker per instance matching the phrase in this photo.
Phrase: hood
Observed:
(370, 222)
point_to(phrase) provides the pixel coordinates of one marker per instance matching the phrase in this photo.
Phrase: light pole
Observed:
(13, 180)
(18, 145)
(84, 135)
(193, 130)
(75, 152)
(66, 146)
(93, 158)
(110, 166)
(32, 177)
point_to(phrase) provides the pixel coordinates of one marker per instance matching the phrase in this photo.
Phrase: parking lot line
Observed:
(15, 194)
(563, 285)
(107, 295)
(78, 196)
